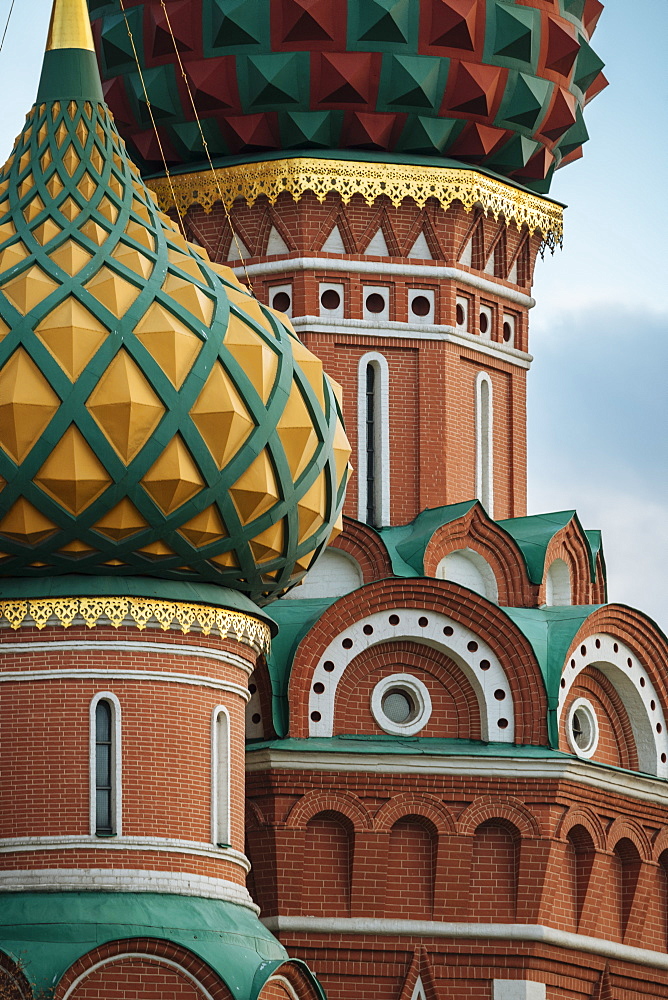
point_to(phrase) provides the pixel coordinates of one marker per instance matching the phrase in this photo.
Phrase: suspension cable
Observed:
(152, 117)
(206, 147)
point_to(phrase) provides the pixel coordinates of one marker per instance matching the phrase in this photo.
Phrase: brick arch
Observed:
(290, 981)
(660, 844)
(470, 610)
(640, 633)
(571, 545)
(455, 709)
(13, 983)
(488, 809)
(632, 652)
(625, 828)
(315, 802)
(407, 804)
(617, 745)
(255, 818)
(587, 818)
(476, 531)
(364, 545)
(207, 983)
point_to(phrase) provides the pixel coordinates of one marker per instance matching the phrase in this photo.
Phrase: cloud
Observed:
(598, 412)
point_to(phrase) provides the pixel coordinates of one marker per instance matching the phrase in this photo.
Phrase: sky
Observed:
(598, 404)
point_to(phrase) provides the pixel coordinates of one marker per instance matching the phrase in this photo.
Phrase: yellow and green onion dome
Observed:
(155, 419)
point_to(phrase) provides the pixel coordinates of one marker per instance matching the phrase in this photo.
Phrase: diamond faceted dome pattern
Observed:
(154, 418)
(499, 83)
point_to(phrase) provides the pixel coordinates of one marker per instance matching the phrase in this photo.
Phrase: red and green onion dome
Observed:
(496, 83)
(155, 419)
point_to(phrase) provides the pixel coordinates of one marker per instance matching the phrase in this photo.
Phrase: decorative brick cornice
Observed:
(347, 178)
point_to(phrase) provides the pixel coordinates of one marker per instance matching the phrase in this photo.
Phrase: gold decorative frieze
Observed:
(370, 180)
(137, 611)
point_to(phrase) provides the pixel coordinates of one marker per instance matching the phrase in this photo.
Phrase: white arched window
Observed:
(558, 584)
(220, 777)
(105, 765)
(469, 569)
(373, 447)
(484, 442)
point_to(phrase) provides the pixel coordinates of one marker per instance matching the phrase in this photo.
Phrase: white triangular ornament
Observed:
(334, 242)
(238, 249)
(377, 247)
(420, 248)
(275, 244)
(467, 254)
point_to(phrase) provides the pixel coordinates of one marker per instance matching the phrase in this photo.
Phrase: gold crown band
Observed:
(347, 178)
(138, 611)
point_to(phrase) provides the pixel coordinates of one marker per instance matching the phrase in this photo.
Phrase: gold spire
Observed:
(70, 26)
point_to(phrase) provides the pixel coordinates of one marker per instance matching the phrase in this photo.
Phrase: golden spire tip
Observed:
(70, 26)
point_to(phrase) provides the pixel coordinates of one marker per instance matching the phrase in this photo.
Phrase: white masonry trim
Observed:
(15, 845)
(382, 437)
(625, 672)
(193, 680)
(609, 780)
(125, 880)
(484, 682)
(387, 328)
(434, 272)
(116, 762)
(144, 956)
(204, 652)
(526, 933)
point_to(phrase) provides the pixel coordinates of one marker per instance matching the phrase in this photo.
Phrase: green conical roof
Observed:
(155, 419)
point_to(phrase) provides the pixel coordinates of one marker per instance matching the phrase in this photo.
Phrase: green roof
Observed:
(294, 619)
(47, 932)
(407, 745)
(533, 534)
(407, 543)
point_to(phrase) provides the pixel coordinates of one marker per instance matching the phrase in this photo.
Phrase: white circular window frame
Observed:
(416, 690)
(582, 705)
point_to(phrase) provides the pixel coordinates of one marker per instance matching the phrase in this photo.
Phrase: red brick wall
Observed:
(136, 979)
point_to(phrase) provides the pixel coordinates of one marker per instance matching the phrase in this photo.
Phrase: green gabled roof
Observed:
(228, 937)
(533, 534)
(550, 632)
(407, 543)
(294, 619)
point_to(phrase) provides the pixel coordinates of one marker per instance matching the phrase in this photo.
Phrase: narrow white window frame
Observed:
(381, 438)
(484, 441)
(220, 777)
(116, 765)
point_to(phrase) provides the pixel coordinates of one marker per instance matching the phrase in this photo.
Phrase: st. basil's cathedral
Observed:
(297, 700)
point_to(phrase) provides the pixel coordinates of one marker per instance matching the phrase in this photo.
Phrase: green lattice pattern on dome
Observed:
(498, 83)
(154, 418)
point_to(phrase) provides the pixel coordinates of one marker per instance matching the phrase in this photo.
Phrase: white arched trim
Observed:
(116, 763)
(146, 958)
(381, 437)
(333, 574)
(220, 776)
(633, 685)
(480, 666)
(484, 442)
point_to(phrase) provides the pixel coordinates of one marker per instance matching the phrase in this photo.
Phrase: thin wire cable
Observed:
(206, 147)
(152, 117)
(9, 17)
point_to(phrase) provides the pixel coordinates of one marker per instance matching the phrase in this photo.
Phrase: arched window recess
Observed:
(105, 765)
(373, 451)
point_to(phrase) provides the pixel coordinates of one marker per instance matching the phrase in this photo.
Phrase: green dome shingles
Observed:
(113, 329)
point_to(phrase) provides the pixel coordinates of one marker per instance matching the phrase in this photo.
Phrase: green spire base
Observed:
(70, 75)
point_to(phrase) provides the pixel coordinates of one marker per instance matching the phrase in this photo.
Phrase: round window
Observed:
(582, 728)
(401, 704)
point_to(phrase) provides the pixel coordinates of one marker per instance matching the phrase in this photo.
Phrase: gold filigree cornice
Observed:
(138, 612)
(347, 178)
